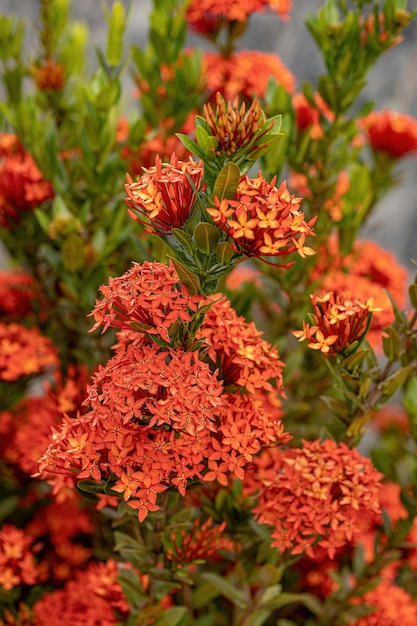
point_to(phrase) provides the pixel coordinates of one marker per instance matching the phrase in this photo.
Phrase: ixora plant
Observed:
(191, 355)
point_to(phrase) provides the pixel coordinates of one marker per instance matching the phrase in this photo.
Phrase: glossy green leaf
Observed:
(206, 237)
(224, 253)
(190, 280)
(227, 182)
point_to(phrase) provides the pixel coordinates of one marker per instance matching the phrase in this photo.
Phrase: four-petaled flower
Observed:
(339, 321)
(263, 220)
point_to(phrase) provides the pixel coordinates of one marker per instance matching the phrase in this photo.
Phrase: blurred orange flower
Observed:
(392, 133)
(245, 74)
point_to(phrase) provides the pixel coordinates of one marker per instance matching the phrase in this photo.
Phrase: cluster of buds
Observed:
(339, 323)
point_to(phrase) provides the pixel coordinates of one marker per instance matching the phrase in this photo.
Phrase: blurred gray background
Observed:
(392, 83)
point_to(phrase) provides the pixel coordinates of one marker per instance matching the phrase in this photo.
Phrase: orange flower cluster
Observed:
(263, 220)
(163, 417)
(392, 133)
(24, 351)
(309, 116)
(50, 76)
(338, 320)
(17, 564)
(22, 186)
(236, 349)
(245, 74)
(366, 273)
(164, 194)
(392, 606)
(201, 543)
(202, 13)
(92, 598)
(147, 298)
(32, 420)
(62, 528)
(16, 293)
(314, 496)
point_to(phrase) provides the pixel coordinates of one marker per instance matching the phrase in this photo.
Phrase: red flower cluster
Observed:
(17, 564)
(22, 186)
(201, 13)
(148, 298)
(245, 74)
(16, 293)
(164, 194)
(62, 529)
(24, 351)
(339, 321)
(236, 349)
(32, 419)
(392, 606)
(92, 598)
(309, 116)
(201, 543)
(264, 220)
(366, 273)
(161, 417)
(314, 496)
(392, 133)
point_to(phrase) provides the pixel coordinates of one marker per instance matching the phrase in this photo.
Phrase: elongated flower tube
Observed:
(164, 196)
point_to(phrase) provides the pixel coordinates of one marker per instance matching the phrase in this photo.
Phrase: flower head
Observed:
(313, 496)
(164, 195)
(17, 564)
(245, 74)
(204, 541)
(236, 349)
(391, 605)
(368, 272)
(49, 76)
(22, 187)
(202, 15)
(338, 322)
(92, 597)
(148, 298)
(263, 220)
(308, 116)
(233, 127)
(392, 133)
(24, 351)
(17, 293)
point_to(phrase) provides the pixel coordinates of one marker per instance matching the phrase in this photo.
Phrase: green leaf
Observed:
(227, 589)
(184, 239)
(393, 383)
(43, 220)
(410, 400)
(90, 486)
(172, 616)
(73, 252)
(190, 145)
(190, 280)
(412, 293)
(227, 182)
(114, 51)
(224, 253)
(206, 237)
(391, 344)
